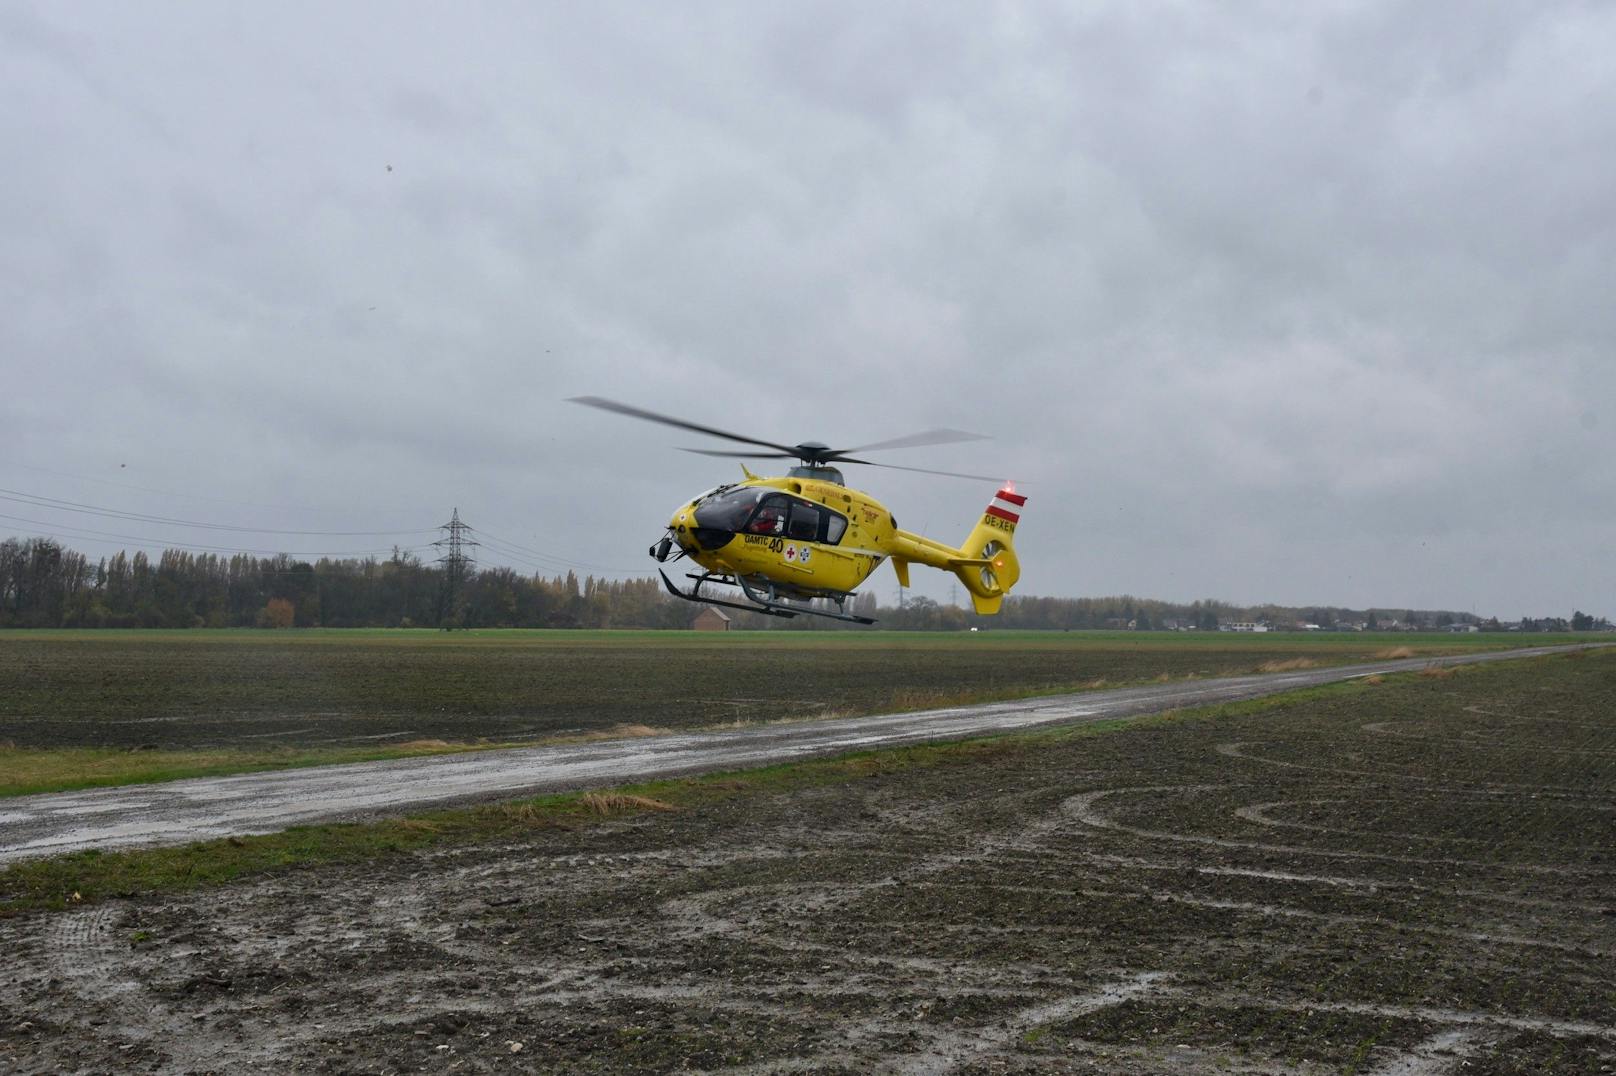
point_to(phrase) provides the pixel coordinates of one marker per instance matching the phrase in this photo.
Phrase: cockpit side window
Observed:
(770, 518)
(815, 523)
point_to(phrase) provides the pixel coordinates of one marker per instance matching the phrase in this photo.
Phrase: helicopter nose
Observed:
(680, 526)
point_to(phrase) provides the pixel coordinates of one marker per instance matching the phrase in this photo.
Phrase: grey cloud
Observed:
(1288, 303)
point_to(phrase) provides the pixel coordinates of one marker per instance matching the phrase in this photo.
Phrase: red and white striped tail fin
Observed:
(1006, 505)
(991, 567)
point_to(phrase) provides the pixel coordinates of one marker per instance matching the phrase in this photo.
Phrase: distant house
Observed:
(710, 619)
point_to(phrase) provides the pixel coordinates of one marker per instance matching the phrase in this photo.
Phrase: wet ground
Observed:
(1414, 877)
(180, 811)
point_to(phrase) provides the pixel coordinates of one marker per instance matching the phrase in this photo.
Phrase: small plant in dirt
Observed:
(619, 802)
(1287, 665)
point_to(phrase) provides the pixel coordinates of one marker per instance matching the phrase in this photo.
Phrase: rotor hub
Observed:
(813, 452)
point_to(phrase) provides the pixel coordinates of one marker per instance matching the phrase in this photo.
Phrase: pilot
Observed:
(769, 520)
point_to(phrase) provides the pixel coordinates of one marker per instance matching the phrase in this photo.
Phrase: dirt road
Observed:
(181, 811)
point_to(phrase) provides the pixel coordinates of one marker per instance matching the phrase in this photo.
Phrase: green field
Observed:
(98, 707)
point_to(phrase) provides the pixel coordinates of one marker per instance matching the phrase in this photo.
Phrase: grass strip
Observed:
(78, 878)
(27, 771)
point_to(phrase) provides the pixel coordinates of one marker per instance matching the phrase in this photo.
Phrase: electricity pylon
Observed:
(457, 564)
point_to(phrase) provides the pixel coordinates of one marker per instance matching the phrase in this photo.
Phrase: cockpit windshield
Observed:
(729, 511)
(765, 511)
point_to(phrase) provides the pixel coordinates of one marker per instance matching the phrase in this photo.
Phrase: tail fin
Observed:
(989, 567)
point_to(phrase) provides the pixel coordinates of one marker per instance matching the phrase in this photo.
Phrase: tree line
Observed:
(46, 585)
(43, 584)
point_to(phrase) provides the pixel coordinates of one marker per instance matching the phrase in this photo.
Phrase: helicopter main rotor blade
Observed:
(812, 453)
(917, 440)
(603, 404)
(835, 460)
(743, 455)
(920, 470)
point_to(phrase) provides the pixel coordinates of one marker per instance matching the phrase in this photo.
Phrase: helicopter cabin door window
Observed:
(804, 525)
(814, 523)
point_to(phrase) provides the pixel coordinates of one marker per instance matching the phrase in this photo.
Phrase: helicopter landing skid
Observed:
(761, 603)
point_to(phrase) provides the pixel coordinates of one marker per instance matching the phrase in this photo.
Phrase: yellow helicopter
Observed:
(806, 535)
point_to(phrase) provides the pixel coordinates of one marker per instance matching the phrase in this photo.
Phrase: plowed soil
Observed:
(1411, 877)
(177, 690)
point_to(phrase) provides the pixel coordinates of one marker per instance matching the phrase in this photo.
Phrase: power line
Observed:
(537, 560)
(548, 564)
(102, 538)
(515, 551)
(540, 555)
(506, 559)
(505, 550)
(171, 493)
(56, 504)
(509, 545)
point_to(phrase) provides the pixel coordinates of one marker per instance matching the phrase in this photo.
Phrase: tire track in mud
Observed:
(731, 913)
(1259, 814)
(1272, 910)
(695, 918)
(1373, 885)
(1442, 1053)
(1385, 728)
(80, 950)
(83, 952)
(1521, 719)
(1453, 1018)
(955, 1048)
(1240, 750)
(1082, 808)
(1465, 1032)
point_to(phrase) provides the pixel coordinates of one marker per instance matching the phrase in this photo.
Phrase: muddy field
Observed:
(175, 690)
(1411, 877)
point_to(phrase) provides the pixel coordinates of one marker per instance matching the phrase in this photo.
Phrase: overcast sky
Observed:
(1264, 302)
